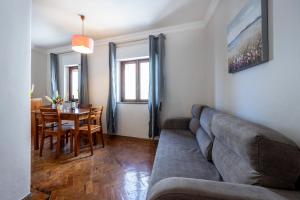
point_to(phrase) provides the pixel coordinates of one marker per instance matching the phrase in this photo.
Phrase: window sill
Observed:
(142, 103)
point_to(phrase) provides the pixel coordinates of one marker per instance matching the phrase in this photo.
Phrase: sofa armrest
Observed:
(191, 189)
(177, 123)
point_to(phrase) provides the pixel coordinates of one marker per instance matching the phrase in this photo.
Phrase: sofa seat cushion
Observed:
(178, 155)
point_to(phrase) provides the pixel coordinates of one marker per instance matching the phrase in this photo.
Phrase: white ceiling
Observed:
(54, 21)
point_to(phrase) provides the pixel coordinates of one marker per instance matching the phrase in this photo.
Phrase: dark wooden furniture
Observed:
(36, 103)
(90, 128)
(52, 127)
(76, 115)
(98, 118)
(85, 106)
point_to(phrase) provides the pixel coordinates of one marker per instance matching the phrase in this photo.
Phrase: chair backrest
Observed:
(49, 115)
(95, 112)
(36, 103)
(84, 106)
(46, 106)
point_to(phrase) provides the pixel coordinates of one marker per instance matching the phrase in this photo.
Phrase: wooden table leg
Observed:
(58, 144)
(95, 139)
(76, 136)
(36, 132)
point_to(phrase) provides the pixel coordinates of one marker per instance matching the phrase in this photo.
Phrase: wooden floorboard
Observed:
(119, 171)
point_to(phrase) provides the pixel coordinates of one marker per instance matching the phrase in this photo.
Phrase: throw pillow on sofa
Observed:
(205, 143)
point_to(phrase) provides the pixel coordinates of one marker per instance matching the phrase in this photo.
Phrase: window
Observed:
(73, 83)
(135, 80)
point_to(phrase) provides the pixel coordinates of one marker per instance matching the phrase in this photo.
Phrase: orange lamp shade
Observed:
(82, 44)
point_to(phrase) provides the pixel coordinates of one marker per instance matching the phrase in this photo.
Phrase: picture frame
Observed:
(247, 37)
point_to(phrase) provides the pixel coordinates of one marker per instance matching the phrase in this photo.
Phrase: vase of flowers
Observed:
(56, 102)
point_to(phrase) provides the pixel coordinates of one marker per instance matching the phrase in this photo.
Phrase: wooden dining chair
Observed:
(36, 103)
(52, 127)
(95, 119)
(90, 129)
(85, 106)
(98, 118)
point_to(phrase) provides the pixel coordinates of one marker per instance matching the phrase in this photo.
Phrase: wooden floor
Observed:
(120, 170)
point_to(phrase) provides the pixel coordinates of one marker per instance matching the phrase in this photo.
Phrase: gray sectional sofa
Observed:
(216, 156)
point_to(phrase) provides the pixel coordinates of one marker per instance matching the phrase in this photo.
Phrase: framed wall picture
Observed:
(247, 37)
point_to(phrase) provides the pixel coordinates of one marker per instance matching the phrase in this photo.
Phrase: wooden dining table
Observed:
(76, 115)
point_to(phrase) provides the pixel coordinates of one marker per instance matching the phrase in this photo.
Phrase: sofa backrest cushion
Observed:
(247, 153)
(206, 120)
(195, 123)
(196, 111)
(205, 143)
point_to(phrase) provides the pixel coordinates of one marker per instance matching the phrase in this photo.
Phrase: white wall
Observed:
(15, 100)
(132, 118)
(268, 93)
(187, 79)
(39, 74)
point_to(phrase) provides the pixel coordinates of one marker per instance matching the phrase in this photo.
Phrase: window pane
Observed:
(75, 83)
(144, 80)
(130, 81)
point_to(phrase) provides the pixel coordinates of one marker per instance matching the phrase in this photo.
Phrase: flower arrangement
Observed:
(58, 100)
(31, 90)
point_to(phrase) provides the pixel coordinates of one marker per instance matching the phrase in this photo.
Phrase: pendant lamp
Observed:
(82, 43)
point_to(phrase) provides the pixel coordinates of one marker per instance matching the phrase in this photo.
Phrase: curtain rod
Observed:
(130, 41)
(137, 40)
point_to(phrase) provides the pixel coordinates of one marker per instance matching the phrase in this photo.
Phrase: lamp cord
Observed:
(82, 26)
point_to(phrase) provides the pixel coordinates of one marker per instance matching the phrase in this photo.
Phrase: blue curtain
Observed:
(156, 63)
(111, 111)
(54, 74)
(83, 83)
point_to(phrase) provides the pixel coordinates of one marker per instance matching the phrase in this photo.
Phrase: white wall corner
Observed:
(38, 49)
(211, 10)
(62, 49)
